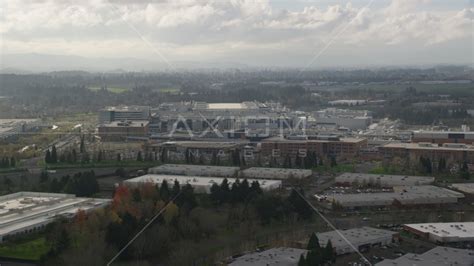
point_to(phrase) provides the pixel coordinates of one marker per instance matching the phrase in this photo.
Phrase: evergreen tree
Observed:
(163, 155)
(139, 156)
(164, 191)
(255, 189)
(302, 261)
(299, 205)
(4, 163)
(74, 156)
(464, 171)
(99, 156)
(429, 168)
(44, 177)
(187, 200)
(54, 155)
(315, 258)
(225, 191)
(63, 242)
(235, 191)
(82, 147)
(441, 165)
(214, 158)
(55, 186)
(244, 190)
(328, 255)
(216, 194)
(136, 195)
(313, 243)
(186, 156)
(176, 188)
(47, 157)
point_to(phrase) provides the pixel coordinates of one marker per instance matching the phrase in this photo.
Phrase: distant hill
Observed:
(32, 62)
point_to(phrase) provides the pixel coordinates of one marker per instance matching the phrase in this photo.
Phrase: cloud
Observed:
(199, 26)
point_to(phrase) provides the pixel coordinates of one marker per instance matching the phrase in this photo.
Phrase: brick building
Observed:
(452, 153)
(441, 137)
(338, 147)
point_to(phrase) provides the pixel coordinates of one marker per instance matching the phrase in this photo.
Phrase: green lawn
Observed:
(169, 90)
(29, 249)
(339, 168)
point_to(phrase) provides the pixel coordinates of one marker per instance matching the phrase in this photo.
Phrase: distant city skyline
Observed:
(301, 34)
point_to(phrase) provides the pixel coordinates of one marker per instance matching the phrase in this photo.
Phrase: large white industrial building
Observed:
(199, 183)
(352, 119)
(438, 256)
(361, 238)
(229, 171)
(275, 256)
(443, 232)
(467, 188)
(383, 180)
(404, 195)
(26, 212)
(275, 173)
(195, 170)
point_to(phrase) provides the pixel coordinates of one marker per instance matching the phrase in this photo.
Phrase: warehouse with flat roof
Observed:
(404, 195)
(199, 183)
(362, 238)
(27, 212)
(443, 232)
(383, 180)
(437, 256)
(467, 188)
(275, 173)
(195, 170)
(441, 137)
(275, 256)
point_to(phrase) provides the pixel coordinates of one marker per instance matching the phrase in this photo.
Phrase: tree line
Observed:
(188, 231)
(316, 254)
(82, 184)
(427, 166)
(8, 162)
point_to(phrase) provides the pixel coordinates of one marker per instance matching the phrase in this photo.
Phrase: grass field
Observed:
(28, 249)
(111, 89)
(169, 90)
(340, 168)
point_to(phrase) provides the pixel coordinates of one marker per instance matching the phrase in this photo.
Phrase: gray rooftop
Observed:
(404, 194)
(275, 173)
(25, 209)
(275, 257)
(199, 170)
(384, 180)
(464, 187)
(356, 236)
(438, 256)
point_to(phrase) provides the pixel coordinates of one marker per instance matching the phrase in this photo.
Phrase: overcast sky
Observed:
(286, 33)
